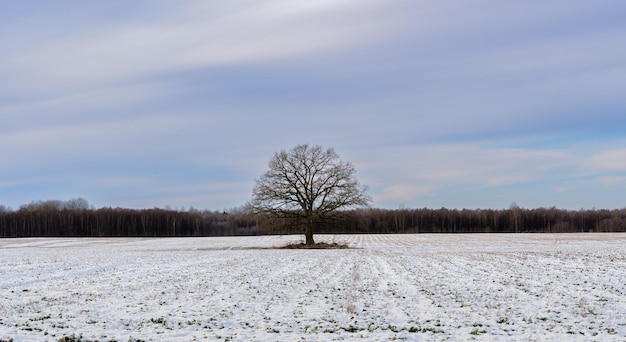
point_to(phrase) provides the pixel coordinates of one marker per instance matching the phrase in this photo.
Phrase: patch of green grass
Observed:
(159, 320)
(478, 332)
(40, 318)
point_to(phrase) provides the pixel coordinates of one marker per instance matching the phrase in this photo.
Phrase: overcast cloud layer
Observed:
(437, 103)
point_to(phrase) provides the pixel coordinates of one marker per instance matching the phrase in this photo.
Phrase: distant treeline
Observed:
(77, 218)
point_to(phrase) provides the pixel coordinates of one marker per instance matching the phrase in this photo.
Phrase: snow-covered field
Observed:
(408, 287)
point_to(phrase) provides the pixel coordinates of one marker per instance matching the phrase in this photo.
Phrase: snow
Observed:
(516, 287)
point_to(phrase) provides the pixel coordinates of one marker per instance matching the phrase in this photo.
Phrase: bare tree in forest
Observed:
(515, 210)
(307, 182)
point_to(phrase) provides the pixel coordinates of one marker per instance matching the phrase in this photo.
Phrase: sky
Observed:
(456, 104)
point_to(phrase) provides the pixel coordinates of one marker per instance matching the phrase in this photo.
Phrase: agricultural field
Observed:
(514, 287)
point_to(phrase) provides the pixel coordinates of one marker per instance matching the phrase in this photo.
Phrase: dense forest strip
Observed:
(77, 219)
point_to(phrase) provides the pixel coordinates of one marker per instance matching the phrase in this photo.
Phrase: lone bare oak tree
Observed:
(307, 182)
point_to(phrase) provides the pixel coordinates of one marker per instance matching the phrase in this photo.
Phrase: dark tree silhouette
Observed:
(307, 182)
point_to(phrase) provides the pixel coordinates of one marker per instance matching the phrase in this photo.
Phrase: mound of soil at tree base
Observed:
(321, 245)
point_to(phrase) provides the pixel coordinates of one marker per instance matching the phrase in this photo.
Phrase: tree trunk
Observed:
(308, 233)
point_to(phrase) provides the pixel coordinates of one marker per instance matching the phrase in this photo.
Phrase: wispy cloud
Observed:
(562, 189)
(403, 192)
(612, 181)
(606, 161)
(435, 169)
(465, 163)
